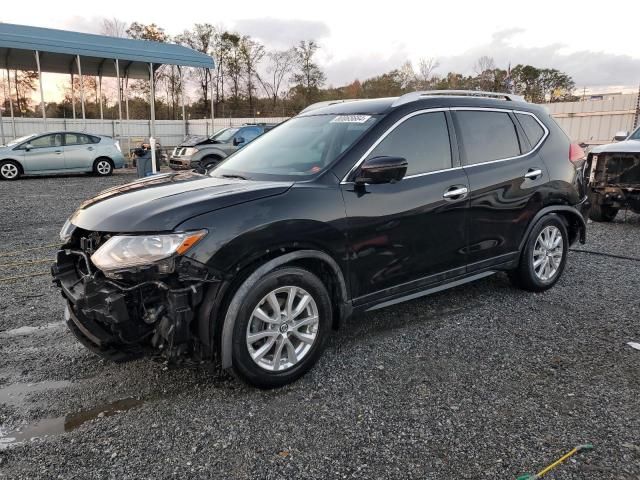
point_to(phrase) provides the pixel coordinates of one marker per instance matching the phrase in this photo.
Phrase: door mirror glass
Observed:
(620, 136)
(28, 147)
(382, 170)
(237, 141)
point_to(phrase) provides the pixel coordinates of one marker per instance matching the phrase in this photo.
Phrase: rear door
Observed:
(79, 151)
(506, 178)
(406, 235)
(44, 154)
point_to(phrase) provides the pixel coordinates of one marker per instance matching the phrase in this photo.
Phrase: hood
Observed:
(627, 146)
(198, 140)
(162, 202)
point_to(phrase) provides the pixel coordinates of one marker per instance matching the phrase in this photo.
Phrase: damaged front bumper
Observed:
(139, 313)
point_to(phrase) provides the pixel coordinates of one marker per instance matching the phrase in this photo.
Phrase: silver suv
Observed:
(203, 153)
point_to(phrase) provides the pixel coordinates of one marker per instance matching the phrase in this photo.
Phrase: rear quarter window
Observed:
(94, 139)
(532, 128)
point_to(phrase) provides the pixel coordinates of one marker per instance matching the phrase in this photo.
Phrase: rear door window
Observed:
(487, 136)
(423, 140)
(76, 139)
(532, 128)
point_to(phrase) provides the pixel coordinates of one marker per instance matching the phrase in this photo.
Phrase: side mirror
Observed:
(620, 136)
(237, 141)
(382, 170)
(28, 147)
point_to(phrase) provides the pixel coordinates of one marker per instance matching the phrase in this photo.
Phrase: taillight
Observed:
(576, 153)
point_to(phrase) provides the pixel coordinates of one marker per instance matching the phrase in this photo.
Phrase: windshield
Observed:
(223, 136)
(20, 140)
(298, 148)
(635, 135)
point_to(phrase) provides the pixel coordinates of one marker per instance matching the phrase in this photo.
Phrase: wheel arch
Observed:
(576, 225)
(16, 161)
(225, 301)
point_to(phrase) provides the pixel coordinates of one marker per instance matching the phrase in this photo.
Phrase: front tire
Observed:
(544, 256)
(602, 213)
(103, 167)
(9, 170)
(281, 327)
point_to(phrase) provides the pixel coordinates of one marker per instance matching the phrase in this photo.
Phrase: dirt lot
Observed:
(483, 381)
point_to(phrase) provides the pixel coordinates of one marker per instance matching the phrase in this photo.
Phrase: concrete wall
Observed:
(169, 132)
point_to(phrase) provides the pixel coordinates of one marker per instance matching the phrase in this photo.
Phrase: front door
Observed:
(404, 236)
(79, 152)
(506, 176)
(44, 154)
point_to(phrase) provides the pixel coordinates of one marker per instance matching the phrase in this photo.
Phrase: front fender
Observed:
(207, 152)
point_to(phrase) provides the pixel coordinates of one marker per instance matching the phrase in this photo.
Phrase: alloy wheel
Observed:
(547, 253)
(283, 328)
(103, 167)
(9, 171)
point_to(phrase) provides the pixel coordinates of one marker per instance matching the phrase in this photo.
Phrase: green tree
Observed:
(308, 78)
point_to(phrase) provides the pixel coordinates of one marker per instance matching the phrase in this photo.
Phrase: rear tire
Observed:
(602, 213)
(103, 167)
(544, 256)
(10, 170)
(272, 345)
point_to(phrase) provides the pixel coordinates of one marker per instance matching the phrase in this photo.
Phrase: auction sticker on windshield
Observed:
(351, 119)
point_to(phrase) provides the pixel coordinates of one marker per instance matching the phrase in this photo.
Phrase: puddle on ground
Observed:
(15, 393)
(59, 425)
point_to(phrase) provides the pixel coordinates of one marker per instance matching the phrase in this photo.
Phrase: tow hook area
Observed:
(140, 313)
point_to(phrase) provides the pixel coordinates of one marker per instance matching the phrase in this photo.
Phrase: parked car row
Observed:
(349, 207)
(60, 152)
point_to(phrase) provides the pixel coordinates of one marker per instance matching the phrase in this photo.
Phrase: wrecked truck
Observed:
(614, 177)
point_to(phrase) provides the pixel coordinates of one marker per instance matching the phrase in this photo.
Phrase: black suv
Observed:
(348, 207)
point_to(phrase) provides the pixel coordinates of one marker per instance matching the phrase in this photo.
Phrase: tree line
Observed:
(251, 81)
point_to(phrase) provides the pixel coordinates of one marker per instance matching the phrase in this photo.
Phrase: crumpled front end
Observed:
(143, 311)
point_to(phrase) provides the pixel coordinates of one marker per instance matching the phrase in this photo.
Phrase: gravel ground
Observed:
(482, 381)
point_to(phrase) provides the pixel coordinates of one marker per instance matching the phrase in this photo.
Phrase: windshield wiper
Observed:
(235, 176)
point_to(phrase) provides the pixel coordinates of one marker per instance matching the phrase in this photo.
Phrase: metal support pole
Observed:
(81, 90)
(637, 115)
(184, 116)
(13, 119)
(125, 92)
(213, 102)
(2, 121)
(152, 92)
(119, 97)
(44, 113)
(100, 95)
(73, 98)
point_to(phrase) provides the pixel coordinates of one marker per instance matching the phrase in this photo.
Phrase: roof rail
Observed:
(315, 106)
(413, 96)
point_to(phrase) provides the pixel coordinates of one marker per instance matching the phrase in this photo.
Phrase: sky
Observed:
(596, 44)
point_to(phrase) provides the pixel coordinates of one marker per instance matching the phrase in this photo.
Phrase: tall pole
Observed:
(13, 119)
(2, 121)
(152, 93)
(84, 118)
(213, 102)
(73, 98)
(119, 97)
(100, 95)
(184, 116)
(44, 113)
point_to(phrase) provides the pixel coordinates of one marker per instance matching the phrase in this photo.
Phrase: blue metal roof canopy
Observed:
(59, 49)
(25, 47)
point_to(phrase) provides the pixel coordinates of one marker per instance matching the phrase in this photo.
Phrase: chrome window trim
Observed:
(344, 180)
(506, 110)
(385, 134)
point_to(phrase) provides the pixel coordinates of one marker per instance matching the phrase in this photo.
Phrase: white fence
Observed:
(596, 121)
(132, 132)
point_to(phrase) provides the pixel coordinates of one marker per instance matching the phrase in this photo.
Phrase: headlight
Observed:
(190, 151)
(67, 231)
(125, 251)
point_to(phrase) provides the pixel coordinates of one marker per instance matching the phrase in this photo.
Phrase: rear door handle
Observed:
(455, 192)
(533, 173)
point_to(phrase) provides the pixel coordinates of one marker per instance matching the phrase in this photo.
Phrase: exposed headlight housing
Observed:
(190, 151)
(66, 231)
(126, 251)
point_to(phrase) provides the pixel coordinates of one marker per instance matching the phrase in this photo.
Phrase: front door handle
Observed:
(89, 148)
(533, 173)
(455, 192)
(58, 152)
